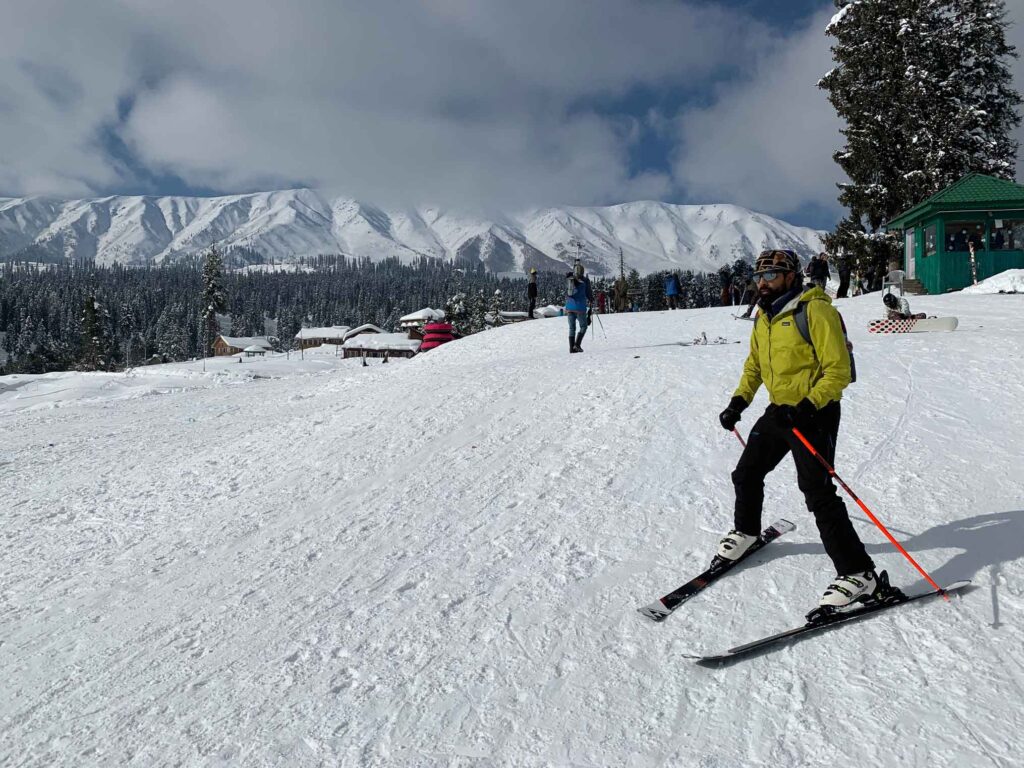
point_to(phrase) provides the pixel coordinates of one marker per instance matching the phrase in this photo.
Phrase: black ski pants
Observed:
(768, 444)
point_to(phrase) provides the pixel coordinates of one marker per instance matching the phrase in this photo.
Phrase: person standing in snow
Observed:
(898, 308)
(672, 290)
(750, 296)
(578, 303)
(620, 295)
(817, 270)
(531, 292)
(805, 383)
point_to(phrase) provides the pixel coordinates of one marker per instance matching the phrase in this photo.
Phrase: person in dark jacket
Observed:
(817, 270)
(579, 301)
(531, 292)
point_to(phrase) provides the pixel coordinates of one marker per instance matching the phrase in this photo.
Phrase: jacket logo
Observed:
(785, 322)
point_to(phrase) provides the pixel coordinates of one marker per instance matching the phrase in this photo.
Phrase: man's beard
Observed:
(767, 295)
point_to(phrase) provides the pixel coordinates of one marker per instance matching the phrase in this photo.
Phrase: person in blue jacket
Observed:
(579, 300)
(672, 290)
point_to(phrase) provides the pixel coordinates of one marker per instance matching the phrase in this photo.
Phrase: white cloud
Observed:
(767, 141)
(456, 102)
(453, 101)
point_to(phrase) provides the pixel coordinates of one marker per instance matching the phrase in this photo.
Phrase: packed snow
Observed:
(303, 561)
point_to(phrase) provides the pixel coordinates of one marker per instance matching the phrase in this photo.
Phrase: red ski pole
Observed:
(867, 511)
(738, 436)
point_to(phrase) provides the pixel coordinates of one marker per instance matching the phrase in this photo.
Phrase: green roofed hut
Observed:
(937, 233)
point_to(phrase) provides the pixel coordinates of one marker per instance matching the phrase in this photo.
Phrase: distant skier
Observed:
(898, 308)
(578, 303)
(531, 292)
(620, 295)
(750, 296)
(804, 383)
(672, 290)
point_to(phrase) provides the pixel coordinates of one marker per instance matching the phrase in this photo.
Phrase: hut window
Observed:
(1007, 235)
(960, 233)
(929, 240)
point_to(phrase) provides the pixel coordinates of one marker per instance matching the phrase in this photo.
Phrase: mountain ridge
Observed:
(285, 225)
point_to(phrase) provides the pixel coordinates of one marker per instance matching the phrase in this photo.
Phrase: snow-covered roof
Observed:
(360, 329)
(247, 341)
(422, 316)
(255, 348)
(382, 341)
(327, 332)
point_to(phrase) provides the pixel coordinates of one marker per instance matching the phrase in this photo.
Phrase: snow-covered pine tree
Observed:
(494, 310)
(870, 90)
(126, 325)
(925, 90)
(213, 300)
(984, 104)
(96, 346)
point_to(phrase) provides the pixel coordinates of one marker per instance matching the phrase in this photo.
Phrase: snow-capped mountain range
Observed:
(283, 226)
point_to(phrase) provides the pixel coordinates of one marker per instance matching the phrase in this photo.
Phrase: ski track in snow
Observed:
(438, 561)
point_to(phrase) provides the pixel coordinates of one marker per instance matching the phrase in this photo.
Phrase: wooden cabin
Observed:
(978, 210)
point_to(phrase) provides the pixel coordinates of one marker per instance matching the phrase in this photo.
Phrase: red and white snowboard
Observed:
(913, 326)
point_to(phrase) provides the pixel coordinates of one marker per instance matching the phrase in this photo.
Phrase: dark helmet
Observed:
(785, 260)
(890, 300)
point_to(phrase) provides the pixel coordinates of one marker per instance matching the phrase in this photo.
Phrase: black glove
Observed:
(590, 314)
(801, 415)
(731, 415)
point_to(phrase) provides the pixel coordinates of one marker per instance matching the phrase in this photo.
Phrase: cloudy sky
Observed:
(460, 103)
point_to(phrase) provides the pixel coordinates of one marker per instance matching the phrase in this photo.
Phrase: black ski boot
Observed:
(579, 342)
(572, 345)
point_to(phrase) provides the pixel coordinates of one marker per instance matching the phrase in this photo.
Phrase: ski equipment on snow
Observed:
(913, 326)
(663, 607)
(864, 507)
(895, 598)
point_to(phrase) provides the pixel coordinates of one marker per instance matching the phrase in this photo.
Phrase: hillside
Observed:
(287, 225)
(438, 561)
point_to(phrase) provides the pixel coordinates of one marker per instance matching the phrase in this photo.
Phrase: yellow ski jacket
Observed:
(789, 367)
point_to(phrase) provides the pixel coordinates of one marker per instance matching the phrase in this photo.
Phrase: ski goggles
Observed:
(769, 274)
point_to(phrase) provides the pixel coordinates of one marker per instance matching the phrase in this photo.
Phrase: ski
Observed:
(663, 607)
(819, 625)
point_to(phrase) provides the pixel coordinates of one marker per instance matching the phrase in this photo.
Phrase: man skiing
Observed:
(804, 383)
(578, 302)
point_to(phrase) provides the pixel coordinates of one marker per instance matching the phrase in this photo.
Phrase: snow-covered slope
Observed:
(322, 570)
(286, 225)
